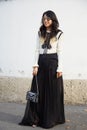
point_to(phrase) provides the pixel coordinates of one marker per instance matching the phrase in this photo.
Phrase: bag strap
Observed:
(37, 84)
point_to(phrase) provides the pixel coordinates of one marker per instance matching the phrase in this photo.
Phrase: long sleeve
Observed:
(60, 53)
(37, 50)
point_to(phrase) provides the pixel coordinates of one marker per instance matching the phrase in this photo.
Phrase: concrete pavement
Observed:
(12, 113)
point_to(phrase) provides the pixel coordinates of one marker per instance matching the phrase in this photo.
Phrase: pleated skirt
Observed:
(49, 110)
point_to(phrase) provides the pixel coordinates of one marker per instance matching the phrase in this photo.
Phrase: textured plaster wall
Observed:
(13, 89)
(75, 91)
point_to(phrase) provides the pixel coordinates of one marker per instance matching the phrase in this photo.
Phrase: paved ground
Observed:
(12, 113)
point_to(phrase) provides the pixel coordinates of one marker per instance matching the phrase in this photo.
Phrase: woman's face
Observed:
(47, 21)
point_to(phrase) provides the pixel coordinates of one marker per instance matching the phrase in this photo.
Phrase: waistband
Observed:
(52, 55)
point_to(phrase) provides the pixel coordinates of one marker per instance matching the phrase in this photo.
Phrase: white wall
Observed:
(19, 23)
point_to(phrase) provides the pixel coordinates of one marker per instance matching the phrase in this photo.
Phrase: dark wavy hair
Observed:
(54, 27)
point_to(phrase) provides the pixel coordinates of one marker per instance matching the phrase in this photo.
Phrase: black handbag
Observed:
(33, 96)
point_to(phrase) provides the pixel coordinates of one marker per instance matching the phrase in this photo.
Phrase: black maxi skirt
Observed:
(49, 111)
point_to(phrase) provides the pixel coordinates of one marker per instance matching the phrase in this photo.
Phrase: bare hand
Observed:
(59, 74)
(35, 70)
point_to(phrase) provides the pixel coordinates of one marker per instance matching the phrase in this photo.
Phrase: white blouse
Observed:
(56, 47)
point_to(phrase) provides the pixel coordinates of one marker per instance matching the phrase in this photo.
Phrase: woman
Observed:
(49, 111)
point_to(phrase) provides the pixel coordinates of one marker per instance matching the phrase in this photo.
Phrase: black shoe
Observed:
(20, 123)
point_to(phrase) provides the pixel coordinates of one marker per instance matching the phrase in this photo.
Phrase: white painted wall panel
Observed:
(19, 23)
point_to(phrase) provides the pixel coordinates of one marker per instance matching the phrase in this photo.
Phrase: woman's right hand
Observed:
(35, 70)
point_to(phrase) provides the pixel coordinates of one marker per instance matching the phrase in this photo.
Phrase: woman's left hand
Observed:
(59, 74)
